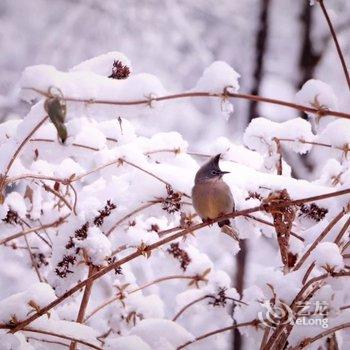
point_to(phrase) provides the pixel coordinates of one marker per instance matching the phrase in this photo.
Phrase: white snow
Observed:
(169, 334)
(328, 253)
(218, 76)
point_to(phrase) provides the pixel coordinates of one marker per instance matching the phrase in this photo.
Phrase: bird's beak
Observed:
(224, 172)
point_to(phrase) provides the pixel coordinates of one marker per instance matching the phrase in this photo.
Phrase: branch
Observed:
(9, 165)
(62, 336)
(335, 39)
(226, 94)
(306, 342)
(111, 300)
(279, 330)
(137, 210)
(182, 310)
(253, 323)
(33, 260)
(84, 303)
(56, 223)
(323, 234)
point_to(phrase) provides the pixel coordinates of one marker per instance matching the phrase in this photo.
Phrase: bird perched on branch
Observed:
(211, 196)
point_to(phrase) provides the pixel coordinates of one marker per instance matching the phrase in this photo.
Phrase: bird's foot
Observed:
(208, 221)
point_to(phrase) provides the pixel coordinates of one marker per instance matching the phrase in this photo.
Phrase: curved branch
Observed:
(227, 94)
(62, 336)
(306, 342)
(253, 323)
(111, 300)
(336, 42)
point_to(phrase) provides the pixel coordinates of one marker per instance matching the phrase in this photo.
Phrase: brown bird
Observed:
(211, 196)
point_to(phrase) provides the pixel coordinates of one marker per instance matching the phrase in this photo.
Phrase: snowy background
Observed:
(121, 181)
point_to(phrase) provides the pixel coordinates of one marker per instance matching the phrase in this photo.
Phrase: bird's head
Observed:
(210, 170)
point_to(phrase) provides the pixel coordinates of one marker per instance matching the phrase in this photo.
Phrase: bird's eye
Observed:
(214, 172)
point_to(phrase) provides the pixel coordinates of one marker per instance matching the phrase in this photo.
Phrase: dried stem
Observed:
(73, 144)
(265, 337)
(183, 309)
(272, 225)
(280, 329)
(18, 150)
(336, 42)
(33, 260)
(342, 232)
(253, 323)
(323, 234)
(84, 303)
(57, 194)
(327, 145)
(225, 94)
(54, 334)
(127, 216)
(307, 341)
(56, 223)
(115, 298)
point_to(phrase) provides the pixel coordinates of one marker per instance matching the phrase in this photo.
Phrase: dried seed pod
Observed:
(56, 109)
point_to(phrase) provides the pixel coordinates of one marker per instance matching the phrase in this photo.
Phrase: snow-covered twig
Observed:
(225, 94)
(306, 342)
(54, 334)
(56, 223)
(322, 235)
(158, 280)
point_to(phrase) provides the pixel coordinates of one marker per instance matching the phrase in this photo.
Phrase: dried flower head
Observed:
(119, 71)
(172, 203)
(81, 233)
(118, 270)
(313, 211)
(179, 254)
(63, 267)
(220, 299)
(40, 259)
(105, 212)
(11, 217)
(254, 195)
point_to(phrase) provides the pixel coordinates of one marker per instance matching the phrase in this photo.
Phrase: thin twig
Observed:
(84, 303)
(182, 310)
(18, 150)
(57, 194)
(54, 334)
(253, 323)
(56, 223)
(342, 232)
(272, 225)
(33, 260)
(73, 144)
(307, 341)
(227, 94)
(115, 298)
(336, 42)
(314, 244)
(127, 216)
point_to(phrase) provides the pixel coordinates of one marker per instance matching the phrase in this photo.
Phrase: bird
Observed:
(211, 196)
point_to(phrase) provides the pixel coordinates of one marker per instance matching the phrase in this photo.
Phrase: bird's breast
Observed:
(212, 199)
